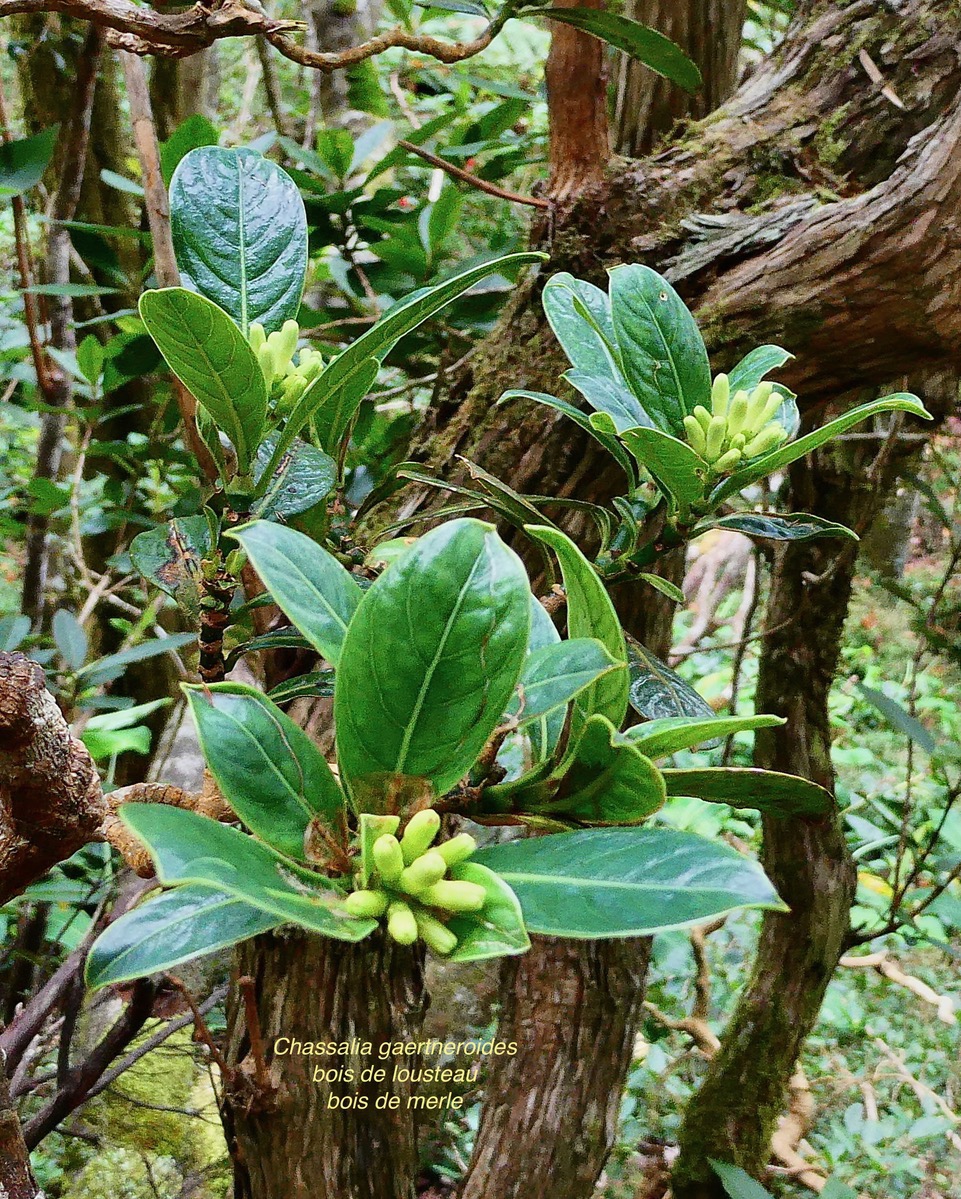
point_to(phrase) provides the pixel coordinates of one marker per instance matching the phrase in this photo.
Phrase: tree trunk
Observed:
(182, 88)
(16, 1177)
(285, 1138)
(648, 105)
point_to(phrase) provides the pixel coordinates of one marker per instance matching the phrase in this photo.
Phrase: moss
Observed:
(828, 144)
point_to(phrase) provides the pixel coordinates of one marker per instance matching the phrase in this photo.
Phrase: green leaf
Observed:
(402, 319)
(794, 526)
(837, 1190)
(554, 674)
(240, 234)
(13, 631)
(169, 929)
(738, 1183)
(105, 670)
(170, 556)
(605, 780)
(23, 162)
(267, 768)
(301, 478)
(498, 929)
(626, 882)
(616, 399)
(187, 848)
(546, 733)
(754, 367)
(210, 356)
(580, 315)
(315, 683)
(607, 440)
(639, 41)
(761, 467)
(69, 638)
(464, 6)
(431, 658)
(899, 719)
(658, 738)
(332, 418)
(90, 358)
(678, 470)
(664, 586)
(662, 351)
(308, 584)
(590, 613)
(744, 787)
(194, 132)
(74, 291)
(656, 691)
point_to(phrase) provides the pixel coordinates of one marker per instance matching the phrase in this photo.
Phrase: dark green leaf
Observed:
(189, 135)
(210, 356)
(171, 928)
(69, 638)
(240, 234)
(662, 351)
(497, 930)
(606, 780)
(267, 768)
(302, 478)
(590, 613)
(607, 440)
(656, 691)
(308, 584)
(414, 696)
(756, 366)
(554, 674)
(664, 586)
(743, 787)
(314, 683)
(738, 1183)
(899, 719)
(678, 470)
(105, 670)
(641, 42)
(626, 882)
(464, 6)
(794, 526)
(658, 738)
(187, 848)
(169, 557)
(23, 162)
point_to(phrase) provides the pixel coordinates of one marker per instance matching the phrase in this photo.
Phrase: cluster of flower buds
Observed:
(412, 889)
(739, 427)
(286, 381)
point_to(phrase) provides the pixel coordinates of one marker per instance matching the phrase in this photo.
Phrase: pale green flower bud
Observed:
(771, 408)
(256, 337)
(768, 439)
(737, 413)
(695, 435)
(756, 403)
(388, 858)
(401, 923)
(727, 461)
(266, 359)
(720, 395)
(458, 849)
(366, 903)
(454, 896)
(421, 830)
(715, 438)
(435, 934)
(423, 872)
(703, 417)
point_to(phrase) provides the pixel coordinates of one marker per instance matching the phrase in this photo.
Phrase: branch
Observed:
(178, 35)
(466, 177)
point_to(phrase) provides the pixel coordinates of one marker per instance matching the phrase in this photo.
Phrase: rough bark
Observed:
(648, 105)
(576, 76)
(734, 1113)
(284, 1138)
(50, 798)
(16, 1177)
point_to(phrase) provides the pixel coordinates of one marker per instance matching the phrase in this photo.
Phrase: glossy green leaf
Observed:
(169, 929)
(240, 234)
(267, 768)
(210, 356)
(169, 556)
(69, 638)
(498, 929)
(616, 399)
(678, 470)
(197, 130)
(664, 586)
(315, 683)
(656, 691)
(400, 320)
(431, 658)
(331, 419)
(658, 738)
(626, 882)
(738, 1183)
(106, 669)
(607, 440)
(662, 351)
(308, 584)
(761, 467)
(606, 780)
(639, 41)
(301, 478)
(187, 848)
(555, 674)
(793, 526)
(580, 316)
(546, 733)
(24, 160)
(590, 613)
(744, 787)
(756, 366)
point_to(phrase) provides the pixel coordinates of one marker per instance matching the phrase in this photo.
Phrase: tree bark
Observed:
(647, 105)
(576, 76)
(284, 1137)
(16, 1177)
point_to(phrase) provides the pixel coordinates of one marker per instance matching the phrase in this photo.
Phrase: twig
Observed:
(889, 969)
(922, 1090)
(201, 1031)
(466, 177)
(249, 995)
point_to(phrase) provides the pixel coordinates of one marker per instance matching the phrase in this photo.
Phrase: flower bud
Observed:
(458, 849)
(756, 403)
(423, 872)
(454, 896)
(256, 337)
(421, 830)
(737, 413)
(366, 903)
(401, 923)
(283, 344)
(435, 934)
(720, 395)
(768, 439)
(715, 438)
(388, 858)
(728, 461)
(695, 435)
(266, 359)
(702, 416)
(771, 408)
(309, 364)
